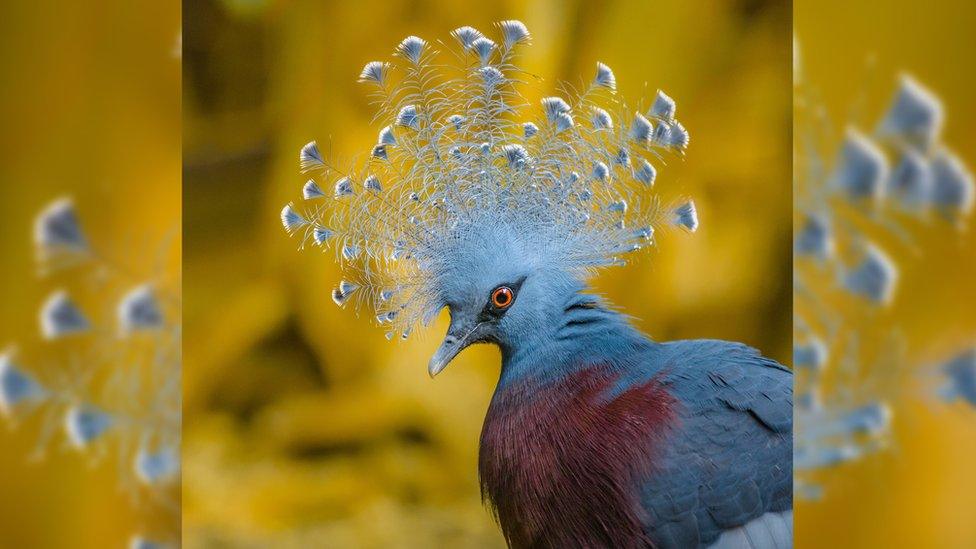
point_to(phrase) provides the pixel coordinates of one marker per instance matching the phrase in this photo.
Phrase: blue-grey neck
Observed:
(584, 332)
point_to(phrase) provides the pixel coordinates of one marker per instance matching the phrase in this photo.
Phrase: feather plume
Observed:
(466, 36)
(514, 31)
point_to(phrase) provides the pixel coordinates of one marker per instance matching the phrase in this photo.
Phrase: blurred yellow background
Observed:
(303, 426)
(91, 108)
(921, 493)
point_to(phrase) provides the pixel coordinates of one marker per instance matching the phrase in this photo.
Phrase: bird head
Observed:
(498, 289)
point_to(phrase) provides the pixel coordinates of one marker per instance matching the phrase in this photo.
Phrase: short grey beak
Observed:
(452, 345)
(444, 355)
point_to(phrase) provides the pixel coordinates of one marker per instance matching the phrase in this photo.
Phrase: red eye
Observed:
(502, 297)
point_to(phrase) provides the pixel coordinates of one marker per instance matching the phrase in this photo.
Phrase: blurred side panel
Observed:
(90, 281)
(885, 259)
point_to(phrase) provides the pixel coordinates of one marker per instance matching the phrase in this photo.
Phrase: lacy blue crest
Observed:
(464, 166)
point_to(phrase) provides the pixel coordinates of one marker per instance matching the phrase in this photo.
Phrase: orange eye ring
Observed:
(502, 297)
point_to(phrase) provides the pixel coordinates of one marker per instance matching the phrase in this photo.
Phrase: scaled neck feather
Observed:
(584, 331)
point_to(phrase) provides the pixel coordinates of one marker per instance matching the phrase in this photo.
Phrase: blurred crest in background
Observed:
(90, 196)
(884, 261)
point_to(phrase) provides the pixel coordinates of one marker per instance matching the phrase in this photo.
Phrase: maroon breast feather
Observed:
(561, 463)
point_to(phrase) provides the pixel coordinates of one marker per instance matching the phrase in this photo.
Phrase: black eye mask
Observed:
(491, 312)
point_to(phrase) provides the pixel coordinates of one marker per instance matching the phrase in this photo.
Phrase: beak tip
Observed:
(434, 368)
(445, 354)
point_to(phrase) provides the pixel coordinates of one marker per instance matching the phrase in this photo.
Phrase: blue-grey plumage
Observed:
(458, 159)
(466, 36)
(605, 77)
(412, 48)
(678, 137)
(61, 317)
(554, 106)
(156, 465)
(812, 354)
(386, 136)
(320, 235)
(960, 374)
(408, 117)
(379, 152)
(686, 215)
(915, 117)
(731, 461)
(17, 386)
(484, 47)
(564, 121)
(815, 238)
(139, 310)
(646, 173)
(873, 277)
(641, 129)
(910, 181)
(663, 108)
(727, 456)
(861, 168)
(953, 188)
(292, 220)
(514, 32)
(310, 158)
(57, 229)
(311, 190)
(84, 424)
(375, 72)
(601, 119)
